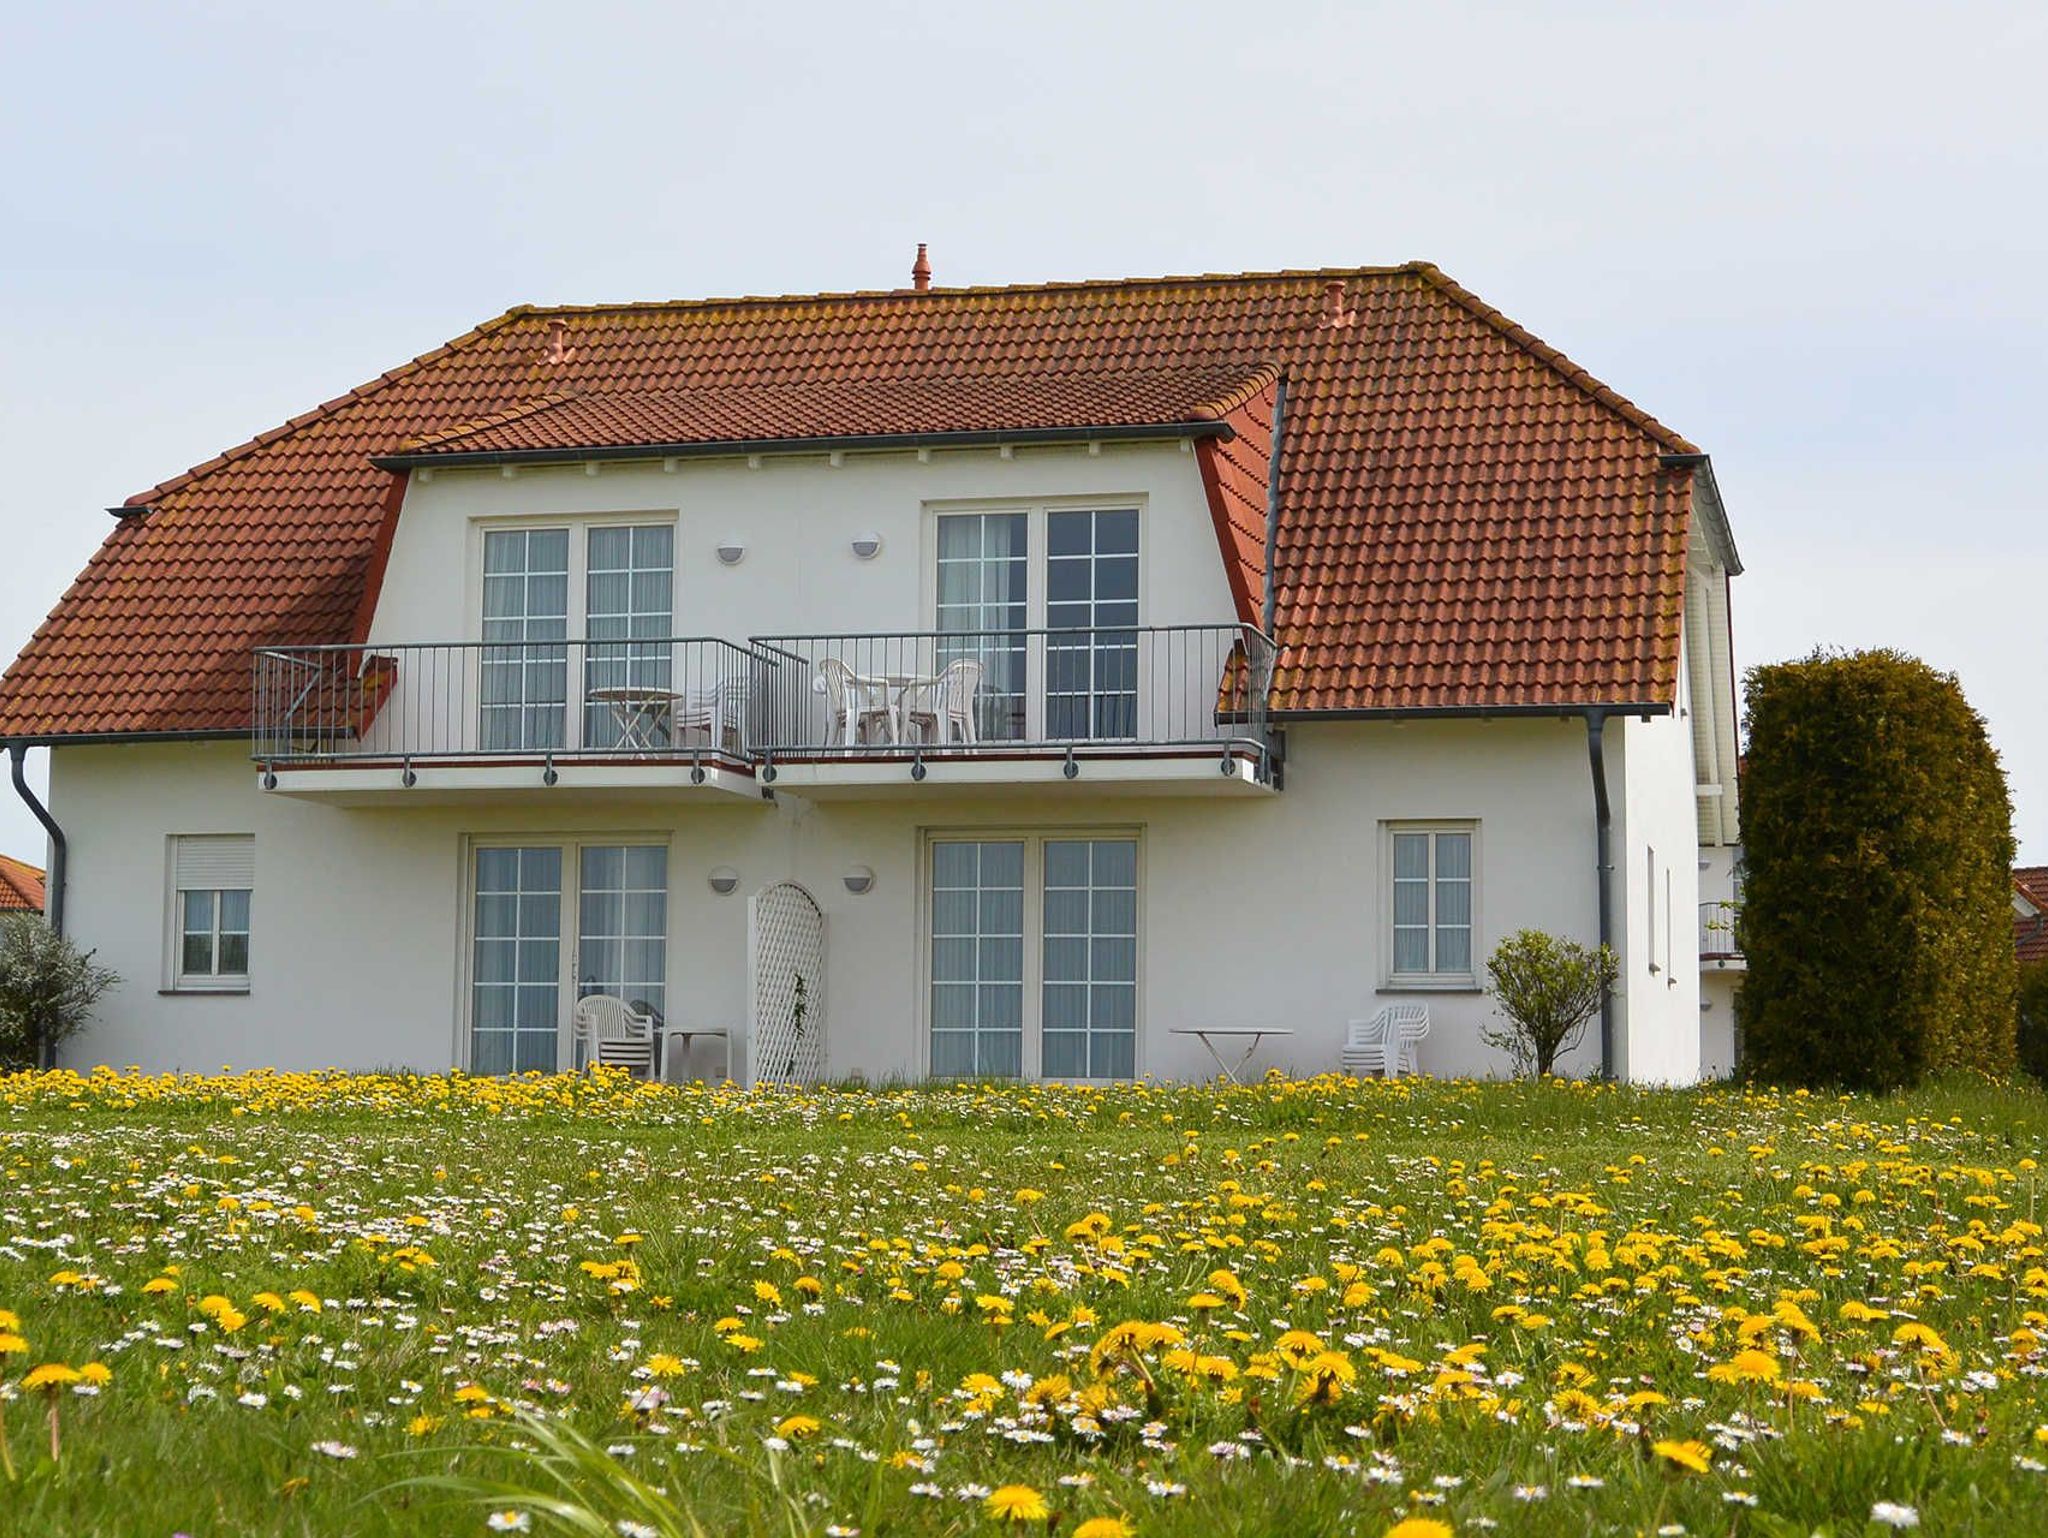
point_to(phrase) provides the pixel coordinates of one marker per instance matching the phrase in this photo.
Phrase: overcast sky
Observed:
(1811, 238)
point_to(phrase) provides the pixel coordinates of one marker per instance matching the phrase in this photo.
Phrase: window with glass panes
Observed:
(212, 880)
(1432, 902)
(629, 616)
(524, 667)
(1034, 957)
(1091, 584)
(984, 562)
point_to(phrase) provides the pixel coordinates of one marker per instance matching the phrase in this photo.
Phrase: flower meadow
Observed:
(363, 1304)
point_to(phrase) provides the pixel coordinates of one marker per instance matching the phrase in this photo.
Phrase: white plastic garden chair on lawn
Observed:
(1386, 1042)
(610, 1033)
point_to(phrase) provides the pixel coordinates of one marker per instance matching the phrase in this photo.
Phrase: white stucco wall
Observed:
(1657, 897)
(1266, 910)
(796, 515)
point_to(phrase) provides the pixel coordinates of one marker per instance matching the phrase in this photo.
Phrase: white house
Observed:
(931, 682)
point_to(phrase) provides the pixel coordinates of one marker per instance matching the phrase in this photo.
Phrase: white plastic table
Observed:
(689, 1033)
(1205, 1033)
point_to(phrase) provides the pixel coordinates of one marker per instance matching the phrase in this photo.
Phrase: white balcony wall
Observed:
(797, 516)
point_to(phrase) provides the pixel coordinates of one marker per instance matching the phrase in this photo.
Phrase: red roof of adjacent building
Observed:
(21, 887)
(1467, 519)
(2030, 935)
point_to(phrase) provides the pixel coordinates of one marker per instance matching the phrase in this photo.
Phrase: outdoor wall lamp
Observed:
(731, 552)
(723, 879)
(867, 546)
(859, 879)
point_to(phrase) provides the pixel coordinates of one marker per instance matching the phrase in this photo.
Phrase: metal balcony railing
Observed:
(990, 692)
(532, 698)
(1717, 931)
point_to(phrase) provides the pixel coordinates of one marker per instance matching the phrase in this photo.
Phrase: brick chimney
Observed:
(921, 270)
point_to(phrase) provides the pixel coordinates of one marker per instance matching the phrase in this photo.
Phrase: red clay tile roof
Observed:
(1468, 519)
(2030, 935)
(855, 409)
(21, 887)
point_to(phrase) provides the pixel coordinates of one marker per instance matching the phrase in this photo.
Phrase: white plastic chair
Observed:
(944, 708)
(855, 706)
(610, 1033)
(1386, 1042)
(713, 709)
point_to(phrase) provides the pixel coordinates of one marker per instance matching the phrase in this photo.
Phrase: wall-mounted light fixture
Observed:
(866, 546)
(724, 880)
(859, 880)
(731, 552)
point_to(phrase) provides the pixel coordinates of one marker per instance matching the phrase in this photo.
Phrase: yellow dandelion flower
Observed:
(51, 1375)
(1016, 1503)
(795, 1426)
(157, 1286)
(1695, 1456)
(1104, 1527)
(1419, 1527)
(12, 1345)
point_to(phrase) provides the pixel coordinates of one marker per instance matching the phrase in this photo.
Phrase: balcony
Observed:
(1719, 949)
(1166, 709)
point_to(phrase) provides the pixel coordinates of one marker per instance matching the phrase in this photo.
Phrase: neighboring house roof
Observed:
(21, 887)
(2030, 929)
(1468, 520)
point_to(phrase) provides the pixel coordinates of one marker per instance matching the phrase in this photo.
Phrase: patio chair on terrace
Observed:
(944, 708)
(610, 1033)
(857, 709)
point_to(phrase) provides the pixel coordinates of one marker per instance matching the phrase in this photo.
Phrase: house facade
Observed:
(923, 683)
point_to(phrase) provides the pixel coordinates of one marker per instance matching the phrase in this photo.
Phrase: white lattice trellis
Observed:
(787, 943)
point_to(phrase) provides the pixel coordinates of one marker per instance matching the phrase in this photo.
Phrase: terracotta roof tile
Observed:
(1468, 519)
(21, 887)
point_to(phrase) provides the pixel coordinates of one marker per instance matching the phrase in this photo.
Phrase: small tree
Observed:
(1548, 989)
(1877, 913)
(48, 988)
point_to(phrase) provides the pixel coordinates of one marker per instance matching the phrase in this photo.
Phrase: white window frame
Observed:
(1392, 981)
(1034, 840)
(577, 621)
(568, 968)
(175, 978)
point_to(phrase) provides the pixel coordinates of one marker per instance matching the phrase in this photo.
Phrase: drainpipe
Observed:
(54, 883)
(1603, 867)
(1273, 503)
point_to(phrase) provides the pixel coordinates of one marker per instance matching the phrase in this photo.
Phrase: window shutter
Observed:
(214, 862)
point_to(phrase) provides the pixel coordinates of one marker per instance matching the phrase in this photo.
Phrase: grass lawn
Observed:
(330, 1305)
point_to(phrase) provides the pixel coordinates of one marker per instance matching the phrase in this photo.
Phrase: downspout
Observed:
(54, 884)
(1272, 607)
(1603, 868)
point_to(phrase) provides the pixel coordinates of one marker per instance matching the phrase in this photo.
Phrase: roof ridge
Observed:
(1544, 353)
(976, 290)
(325, 409)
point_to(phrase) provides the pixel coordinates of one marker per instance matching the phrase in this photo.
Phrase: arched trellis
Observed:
(786, 962)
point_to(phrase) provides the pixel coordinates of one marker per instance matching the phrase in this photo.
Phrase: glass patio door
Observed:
(1091, 584)
(611, 929)
(984, 564)
(515, 1016)
(523, 674)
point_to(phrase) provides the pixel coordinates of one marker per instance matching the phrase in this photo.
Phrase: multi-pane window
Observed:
(629, 611)
(1034, 958)
(1432, 902)
(525, 683)
(515, 970)
(540, 943)
(1091, 584)
(977, 1000)
(984, 562)
(212, 878)
(1090, 987)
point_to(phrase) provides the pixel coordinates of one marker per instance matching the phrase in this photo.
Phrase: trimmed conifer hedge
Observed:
(1877, 915)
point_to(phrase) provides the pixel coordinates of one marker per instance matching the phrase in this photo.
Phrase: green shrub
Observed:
(2033, 1049)
(1877, 919)
(1548, 989)
(48, 988)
